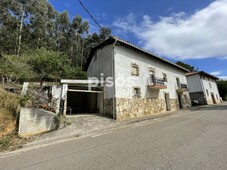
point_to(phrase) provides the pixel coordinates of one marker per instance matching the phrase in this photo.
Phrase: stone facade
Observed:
(186, 101)
(129, 108)
(174, 104)
(108, 107)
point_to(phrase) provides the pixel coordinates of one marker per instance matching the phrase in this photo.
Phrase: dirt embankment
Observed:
(9, 110)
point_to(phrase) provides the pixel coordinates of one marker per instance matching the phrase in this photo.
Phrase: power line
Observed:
(90, 14)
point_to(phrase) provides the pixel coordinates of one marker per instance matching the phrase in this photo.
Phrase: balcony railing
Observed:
(156, 83)
(182, 88)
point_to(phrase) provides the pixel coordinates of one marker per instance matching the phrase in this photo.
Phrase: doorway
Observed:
(213, 98)
(180, 101)
(84, 103)
(167, 99)
(178, 83)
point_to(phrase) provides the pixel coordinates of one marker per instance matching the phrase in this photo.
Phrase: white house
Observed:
(203, 87)
(142, 83)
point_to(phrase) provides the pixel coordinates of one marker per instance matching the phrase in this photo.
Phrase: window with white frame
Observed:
(164, 77)
(135, 70)
(152, 73)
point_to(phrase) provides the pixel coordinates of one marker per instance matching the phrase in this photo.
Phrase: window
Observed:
(207, 92)
(152, 73)
(210, 85)
(135, 70)
(136, 92)
(164, 77)
(178, 82)
(151, 70)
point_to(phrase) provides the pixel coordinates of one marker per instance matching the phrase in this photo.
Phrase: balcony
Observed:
(156, 83)
(182, 88)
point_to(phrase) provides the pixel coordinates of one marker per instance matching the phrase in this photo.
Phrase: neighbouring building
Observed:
(203, 88)
(156, 85)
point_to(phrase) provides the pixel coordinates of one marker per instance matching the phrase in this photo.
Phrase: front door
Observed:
(213, 98)
(168, 106)
(180, 101)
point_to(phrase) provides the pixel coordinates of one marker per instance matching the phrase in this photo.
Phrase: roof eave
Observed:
(113, 39)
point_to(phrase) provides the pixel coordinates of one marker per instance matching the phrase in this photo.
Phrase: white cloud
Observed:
(223, 58)
(219, 74)
(216, 73)
(101, 16)
(201, 35)
(223, 77)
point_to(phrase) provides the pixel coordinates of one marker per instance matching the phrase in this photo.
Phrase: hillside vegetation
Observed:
(8, 111)
(8, 121)
(38, 43)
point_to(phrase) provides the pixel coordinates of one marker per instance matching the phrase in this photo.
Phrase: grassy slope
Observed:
(8, 115)
(8, 109)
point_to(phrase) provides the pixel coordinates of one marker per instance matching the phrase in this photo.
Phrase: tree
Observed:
(78, 32)
(30, 9)
(52, 65)
(15, 69)
(187, 66)
(43, 38)
(104, 33)
(62, 28)
(47, 64)
(8, 26)
(222, 87)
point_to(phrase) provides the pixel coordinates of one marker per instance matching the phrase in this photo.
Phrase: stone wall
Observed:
(108, 107)
(174, 104)
(185, 99)
(36, 121)
(130, 108)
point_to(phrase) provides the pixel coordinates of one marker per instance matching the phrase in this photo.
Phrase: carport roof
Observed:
(70, 81)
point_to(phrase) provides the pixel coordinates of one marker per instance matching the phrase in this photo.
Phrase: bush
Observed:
(9, 102)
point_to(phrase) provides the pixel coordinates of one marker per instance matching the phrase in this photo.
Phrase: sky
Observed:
(191, 31)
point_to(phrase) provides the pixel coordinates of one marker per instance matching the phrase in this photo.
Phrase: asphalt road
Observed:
(196, 140)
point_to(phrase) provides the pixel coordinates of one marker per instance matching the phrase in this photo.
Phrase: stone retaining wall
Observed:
(130, 108)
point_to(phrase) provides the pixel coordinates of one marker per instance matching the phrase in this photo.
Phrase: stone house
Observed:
(142, 83)
(203, 88)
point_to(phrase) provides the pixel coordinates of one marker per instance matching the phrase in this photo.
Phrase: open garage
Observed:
(84, 102)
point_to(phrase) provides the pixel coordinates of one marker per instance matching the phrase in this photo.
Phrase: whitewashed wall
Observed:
(124, 57)
(194, 83)
(213, 89)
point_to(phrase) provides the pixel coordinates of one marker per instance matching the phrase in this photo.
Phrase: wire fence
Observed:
(36, 96)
